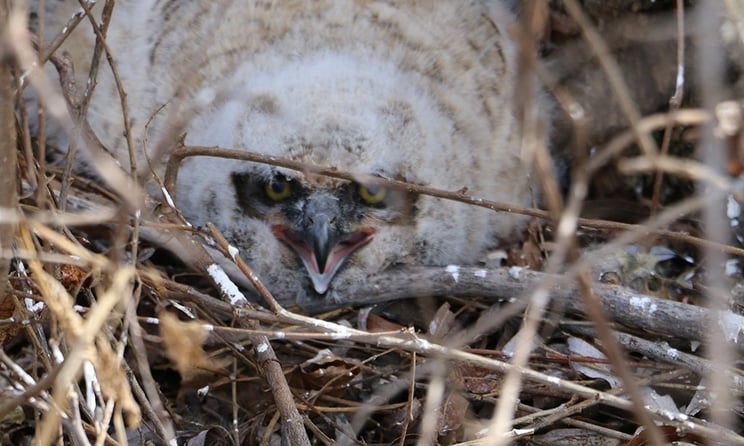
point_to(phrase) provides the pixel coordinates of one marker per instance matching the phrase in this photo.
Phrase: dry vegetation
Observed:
(630, 334)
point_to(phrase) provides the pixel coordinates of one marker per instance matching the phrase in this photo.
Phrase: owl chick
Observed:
(419, 91)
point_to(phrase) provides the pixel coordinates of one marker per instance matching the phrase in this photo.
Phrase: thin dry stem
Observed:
(8, 163)
(269, 364)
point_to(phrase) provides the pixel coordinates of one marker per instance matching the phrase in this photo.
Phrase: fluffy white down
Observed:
(414, 90)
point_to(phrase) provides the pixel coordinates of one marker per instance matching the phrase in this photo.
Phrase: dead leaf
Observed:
(671, 434)
(183, 342)
(72, 277)
(7, 309)
(442, 322)
(453, 412)
(478, 380)
(375, 323)
(327, 369)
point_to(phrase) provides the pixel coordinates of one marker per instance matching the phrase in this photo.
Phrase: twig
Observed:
(614, 75)
(409, 402)
(233, 253)
(685, 168)
(66, 31)
(292, 423)
(148, 395)
(646, 124)
(184, 152)
(595, 310)
(61, 106)
(661, 351)
(710, 72)
(674, 102)
(9, 162)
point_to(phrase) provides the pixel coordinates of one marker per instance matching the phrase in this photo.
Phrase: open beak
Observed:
(320, 245)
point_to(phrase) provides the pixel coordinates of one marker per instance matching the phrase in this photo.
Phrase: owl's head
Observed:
(364, 117)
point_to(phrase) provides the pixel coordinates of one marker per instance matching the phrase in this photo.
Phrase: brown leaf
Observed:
(442, 322)
(671, 434)
(7, 309)
(530, 254)
(453, 412)
(478, 380)
(574, 437)
(327, 368)
(72, 277)
(375, 323)
(114, 382)
(183, 345)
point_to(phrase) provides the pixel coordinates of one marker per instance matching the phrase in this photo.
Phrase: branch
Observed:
(622, 305)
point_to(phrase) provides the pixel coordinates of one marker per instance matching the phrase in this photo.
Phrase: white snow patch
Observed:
(680, 74)
(32, 306)
(455, 271)
(644, 303)
(423, 343)
(226, 285)
(91, 384)
(234, 252)
(732, 267)
(433, 325)
(672, 353)
(340, 335)
(57, 354)
(515, 272)
(168, 198)
(480, 273)
(733, 208)
(262, 347)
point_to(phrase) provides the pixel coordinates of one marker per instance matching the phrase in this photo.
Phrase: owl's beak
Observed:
(322, 248)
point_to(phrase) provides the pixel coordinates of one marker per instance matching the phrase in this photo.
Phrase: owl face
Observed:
(322, 225)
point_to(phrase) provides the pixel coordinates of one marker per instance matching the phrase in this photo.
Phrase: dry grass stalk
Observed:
(91, 363)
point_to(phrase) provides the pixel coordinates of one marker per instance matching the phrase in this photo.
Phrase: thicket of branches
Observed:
(616, 318)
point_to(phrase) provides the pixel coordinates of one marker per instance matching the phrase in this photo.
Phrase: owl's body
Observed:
(419, 91)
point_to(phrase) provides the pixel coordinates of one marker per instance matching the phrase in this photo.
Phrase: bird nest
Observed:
(117, 327)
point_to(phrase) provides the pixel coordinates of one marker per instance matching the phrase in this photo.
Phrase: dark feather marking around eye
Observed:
(246, 189)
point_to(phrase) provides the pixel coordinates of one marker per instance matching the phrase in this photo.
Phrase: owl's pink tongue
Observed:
(321, 254)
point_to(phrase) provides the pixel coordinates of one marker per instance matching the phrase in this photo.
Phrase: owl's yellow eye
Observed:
(278, 188)
(372, 194)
